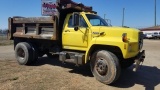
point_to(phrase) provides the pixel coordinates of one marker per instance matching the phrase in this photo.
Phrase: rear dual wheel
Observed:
(25, 53)
(105, 66)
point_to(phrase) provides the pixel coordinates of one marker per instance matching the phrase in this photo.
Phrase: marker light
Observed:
(124, 37)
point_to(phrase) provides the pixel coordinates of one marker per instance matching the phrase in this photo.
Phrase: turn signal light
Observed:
(124, 37)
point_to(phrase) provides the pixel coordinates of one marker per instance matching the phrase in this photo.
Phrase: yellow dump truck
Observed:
(79, 36)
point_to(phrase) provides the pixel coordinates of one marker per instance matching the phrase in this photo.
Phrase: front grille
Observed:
(140, 40)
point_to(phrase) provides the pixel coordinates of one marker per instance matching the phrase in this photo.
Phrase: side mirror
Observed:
(76, 21)
(76, 28)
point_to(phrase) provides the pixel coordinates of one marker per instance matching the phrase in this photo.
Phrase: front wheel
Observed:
(105, 66)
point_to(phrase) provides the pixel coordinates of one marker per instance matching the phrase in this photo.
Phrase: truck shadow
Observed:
(83, 70)
(147, 76)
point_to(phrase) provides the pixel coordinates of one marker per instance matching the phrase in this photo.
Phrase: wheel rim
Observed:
(101, 66)
(21, 53)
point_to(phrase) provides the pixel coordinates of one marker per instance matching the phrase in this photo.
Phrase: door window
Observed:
(70, 24)
(82, 22)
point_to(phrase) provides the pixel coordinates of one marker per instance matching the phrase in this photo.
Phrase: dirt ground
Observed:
(50, 74)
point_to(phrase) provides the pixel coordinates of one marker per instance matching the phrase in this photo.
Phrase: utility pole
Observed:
(123, 17)
(155, 13)
(104, 16)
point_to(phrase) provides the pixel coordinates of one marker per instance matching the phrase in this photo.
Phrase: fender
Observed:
(111, 41)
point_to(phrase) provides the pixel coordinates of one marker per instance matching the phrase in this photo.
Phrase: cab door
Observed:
(75, 39)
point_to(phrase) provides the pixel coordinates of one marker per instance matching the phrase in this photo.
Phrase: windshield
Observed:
(96, 20)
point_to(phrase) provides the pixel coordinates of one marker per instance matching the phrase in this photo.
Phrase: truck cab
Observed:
(92, 31)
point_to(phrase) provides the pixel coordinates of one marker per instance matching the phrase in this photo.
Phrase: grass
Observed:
(14, 78)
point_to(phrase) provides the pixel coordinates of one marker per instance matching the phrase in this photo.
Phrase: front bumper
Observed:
(140, 58)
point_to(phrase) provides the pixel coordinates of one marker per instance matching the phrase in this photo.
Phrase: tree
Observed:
(0, 31)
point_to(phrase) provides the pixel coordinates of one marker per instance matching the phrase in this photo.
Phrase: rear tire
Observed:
(24, 53)
(105, 66)
(35, 53)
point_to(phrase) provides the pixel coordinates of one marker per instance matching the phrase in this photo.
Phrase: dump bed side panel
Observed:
(32, 27)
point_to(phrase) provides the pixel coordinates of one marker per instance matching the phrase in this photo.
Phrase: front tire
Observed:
(105, 66)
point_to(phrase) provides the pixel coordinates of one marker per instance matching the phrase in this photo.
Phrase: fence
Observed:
(4, 40)
(3, 37)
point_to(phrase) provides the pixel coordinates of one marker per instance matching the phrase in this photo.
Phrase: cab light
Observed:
(124, 37)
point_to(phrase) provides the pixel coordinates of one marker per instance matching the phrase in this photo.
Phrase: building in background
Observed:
(151, 32)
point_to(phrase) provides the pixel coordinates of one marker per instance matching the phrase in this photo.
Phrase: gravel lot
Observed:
(50, 74)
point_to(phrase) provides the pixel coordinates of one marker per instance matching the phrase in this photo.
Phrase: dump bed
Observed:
(33, 27)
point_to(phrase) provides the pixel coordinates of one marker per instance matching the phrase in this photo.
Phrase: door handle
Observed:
(67, 31)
